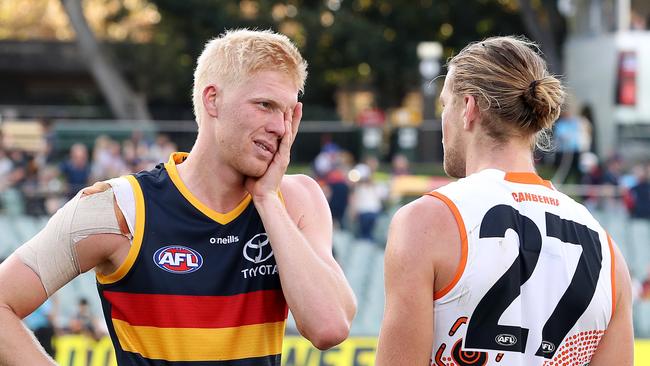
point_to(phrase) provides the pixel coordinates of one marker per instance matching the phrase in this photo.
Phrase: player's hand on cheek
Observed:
(269, 182)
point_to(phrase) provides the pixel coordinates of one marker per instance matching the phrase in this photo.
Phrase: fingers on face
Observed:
(292, 117)
(287, 137)
(296, 118)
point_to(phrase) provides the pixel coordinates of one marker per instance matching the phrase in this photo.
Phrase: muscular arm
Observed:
(316, 291)
(314, 286)
(22, 290)
(617, 345)
(419, 233)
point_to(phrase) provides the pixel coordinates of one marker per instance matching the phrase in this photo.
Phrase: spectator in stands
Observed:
(19, 162)
(132, 159)
(140, 142)
(52, 189)
(567, 134)
(613, 170)
(366, 201)
(83, 321)
(76, 170)
(107, 159)
(6, 166)
(49, 152)
(601, 181)
(330, 168)
(400, 165)
(586, 139)
(162, 148)
(326, 159)
(101, 158)
(34, 200)
(338, 194)
(640, 195)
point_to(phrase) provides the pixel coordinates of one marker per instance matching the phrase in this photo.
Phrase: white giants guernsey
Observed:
(535, 284)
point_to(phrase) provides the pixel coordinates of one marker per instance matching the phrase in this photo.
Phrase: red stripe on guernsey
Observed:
(180, 311)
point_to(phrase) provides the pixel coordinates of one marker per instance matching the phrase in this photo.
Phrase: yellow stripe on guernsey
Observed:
(201, 344)
(222, 218)
(137, 236)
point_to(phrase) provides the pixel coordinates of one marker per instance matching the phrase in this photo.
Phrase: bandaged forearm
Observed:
(51, 254)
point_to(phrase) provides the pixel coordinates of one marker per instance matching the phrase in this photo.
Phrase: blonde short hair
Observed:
(238, 54)
(512, 85)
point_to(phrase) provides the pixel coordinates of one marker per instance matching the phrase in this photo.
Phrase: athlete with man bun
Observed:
(499, 268)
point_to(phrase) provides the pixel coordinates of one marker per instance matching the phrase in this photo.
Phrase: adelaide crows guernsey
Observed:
(198, 287)
(535, 285)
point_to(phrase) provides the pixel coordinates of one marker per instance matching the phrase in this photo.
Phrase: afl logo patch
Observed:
(547, 347)
(506, 339)
(178, 259)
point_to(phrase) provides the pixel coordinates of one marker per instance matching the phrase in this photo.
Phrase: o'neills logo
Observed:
(225, 240)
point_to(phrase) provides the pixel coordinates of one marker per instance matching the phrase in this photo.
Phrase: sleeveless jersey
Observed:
(197, 287)
(535, 283)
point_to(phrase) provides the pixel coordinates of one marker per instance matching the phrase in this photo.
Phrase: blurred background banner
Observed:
(94, 89)
(75, 350)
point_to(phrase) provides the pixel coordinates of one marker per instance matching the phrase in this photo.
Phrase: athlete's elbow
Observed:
(329, 335)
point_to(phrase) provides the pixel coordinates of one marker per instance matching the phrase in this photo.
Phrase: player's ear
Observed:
(470, 112)
(210, 96)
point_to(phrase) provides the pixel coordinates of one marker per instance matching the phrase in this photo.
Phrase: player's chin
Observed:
(453, 167)
(255, 169)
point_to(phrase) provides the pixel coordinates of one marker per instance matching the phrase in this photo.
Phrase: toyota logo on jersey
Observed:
(178, 259)
(258, 249)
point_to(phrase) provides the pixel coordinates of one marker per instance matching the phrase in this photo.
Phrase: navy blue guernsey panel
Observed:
(198, 287)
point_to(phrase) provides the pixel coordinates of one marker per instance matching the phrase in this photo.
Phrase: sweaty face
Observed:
(251, 120)
(452, 127)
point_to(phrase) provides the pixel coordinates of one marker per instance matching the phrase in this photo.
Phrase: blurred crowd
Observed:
(359, 192)
(362, 193)
(605, 184)
(39, 182)
(47, 322)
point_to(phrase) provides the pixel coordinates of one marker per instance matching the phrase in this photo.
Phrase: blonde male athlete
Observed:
(499, 268)
(199, 260)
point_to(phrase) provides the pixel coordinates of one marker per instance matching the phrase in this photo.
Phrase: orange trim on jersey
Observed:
(527, 178)
(613, 272)
(197, 344)
(124, 268)
(463, 244)
(222, 218)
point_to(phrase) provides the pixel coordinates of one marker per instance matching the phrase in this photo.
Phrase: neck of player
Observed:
(200, 173)
(515, 155)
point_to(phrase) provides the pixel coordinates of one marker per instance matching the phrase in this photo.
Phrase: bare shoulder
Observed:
(424, 217)
(423, 226)
(300, 185)
(301, 192)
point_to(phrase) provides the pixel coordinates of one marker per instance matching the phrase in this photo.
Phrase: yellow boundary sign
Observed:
(77, 350)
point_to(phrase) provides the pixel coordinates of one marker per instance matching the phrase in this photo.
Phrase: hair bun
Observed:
(533, 85)
(544, 98)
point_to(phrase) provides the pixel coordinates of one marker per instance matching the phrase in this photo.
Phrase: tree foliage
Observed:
(351, 44)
